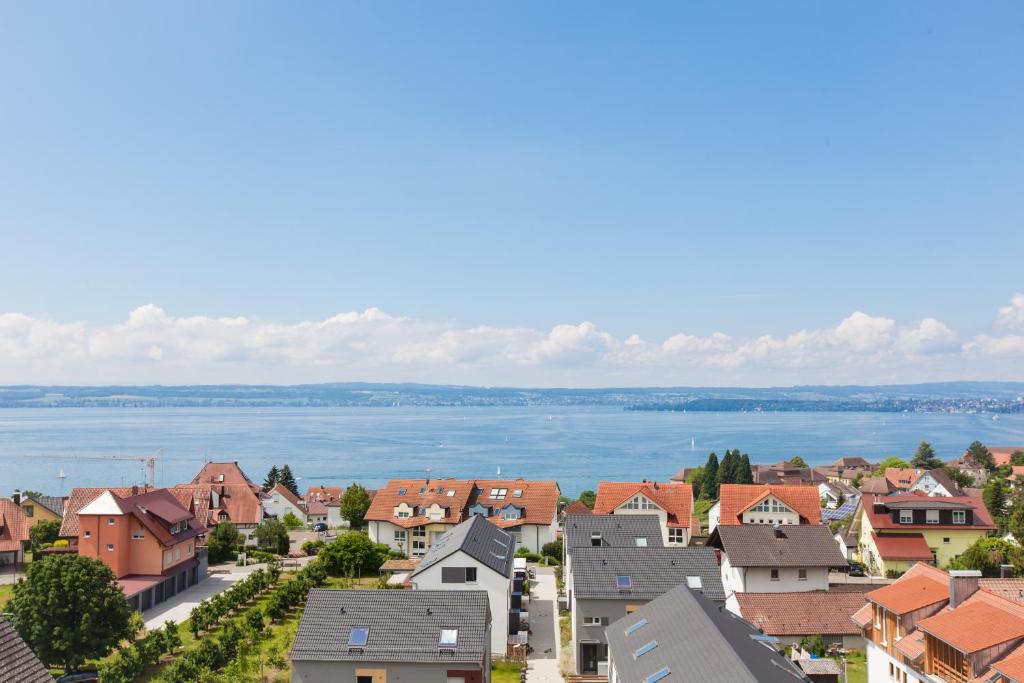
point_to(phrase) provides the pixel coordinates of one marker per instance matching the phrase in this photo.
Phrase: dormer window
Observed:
(639, 503)
(401, 492)
(595, 538)
(510, 513)
(959, 517)
(932, 516)
(402, 514)
(906, 516)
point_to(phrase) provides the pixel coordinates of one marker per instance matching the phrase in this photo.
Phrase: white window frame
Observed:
(906, 516)
(677, 535)
(137, 535)
(959, 517)
(592, 621)
(400, 536)
(931, 516)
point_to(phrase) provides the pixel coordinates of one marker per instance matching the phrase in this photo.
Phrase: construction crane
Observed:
(148, 460)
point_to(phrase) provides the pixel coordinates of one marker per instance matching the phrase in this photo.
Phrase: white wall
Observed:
(499, 592)
(878, 666)
(714, 516)
(278, 506)
(759, 580)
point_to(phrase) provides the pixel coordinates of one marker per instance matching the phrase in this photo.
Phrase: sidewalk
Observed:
(542, 664)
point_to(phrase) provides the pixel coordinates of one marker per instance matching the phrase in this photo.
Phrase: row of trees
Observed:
(734, 469)
(208, 612)
(130, 662)
(282, 476)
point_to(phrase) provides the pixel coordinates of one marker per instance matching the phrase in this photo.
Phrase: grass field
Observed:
(504, 672)
(856, 668)
(6, 592)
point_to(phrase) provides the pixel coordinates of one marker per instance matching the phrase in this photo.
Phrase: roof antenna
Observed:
(428, 475)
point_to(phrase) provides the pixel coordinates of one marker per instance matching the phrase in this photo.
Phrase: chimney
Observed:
(778, 531)
(1006, 571)
(877, 505)
(962, 585)
(16, 496)
(135, 490)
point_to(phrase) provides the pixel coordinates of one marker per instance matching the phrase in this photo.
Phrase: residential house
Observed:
(875, 486)
(279, 501)
(936, 483)
(1002, 455)
(847, 544)
(683, 636)
(408, 515)
(765, 504)
(82, 496)
(785, 473)
(757, 558)
(473, 556)
(147, 539)
(672, 502)
(389, 636)
(835, 493)
(222, 492)
(895, 531)
(791, 617)
(608, 583)
(323, 504)
(577, 507)
(902, 478)
(935, 626)
(18, 664)
(40, 508)
(854, 462)
(526, 509)
(13, 533)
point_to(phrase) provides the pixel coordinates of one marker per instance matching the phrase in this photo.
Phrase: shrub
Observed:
(525, 552)
(312, 546)
(552, 549)
(61, 543)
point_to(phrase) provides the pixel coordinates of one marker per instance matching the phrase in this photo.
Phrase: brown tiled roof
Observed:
(316, 508)
(852, 461)
(18, 664)
(920, 586)
(1012, 666)
(1011, 589)
(13, 526)
(577, 507)
(982, 621)
(434, 491)
(239, 502)
(539, 500)
(82, 496)
(902, 477)
(230, 471)
(323, 494)
(862, 617)
(735, 499)
(792, 545)
(162, 504)
(808, 613)
(876, 485)
(1001, 454)
(883, 520)
(902, 547)
(404, 565)
(675, 498)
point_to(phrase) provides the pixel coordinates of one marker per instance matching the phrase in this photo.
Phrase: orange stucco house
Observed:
(148, 540)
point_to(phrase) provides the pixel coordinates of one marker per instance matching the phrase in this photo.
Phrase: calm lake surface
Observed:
(576, 446)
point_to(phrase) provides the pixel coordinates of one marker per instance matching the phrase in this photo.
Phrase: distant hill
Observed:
(1000, 397)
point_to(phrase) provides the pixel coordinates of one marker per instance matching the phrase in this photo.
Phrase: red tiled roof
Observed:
(13, 526)
(1011, 589)
(230, 471)
(577, 507)
(1001, 454)
(883, 520)
(735, 499)
(911, 645)
(240, 503)
(316, 508)
(1012, 666)
(807, 613)
(82, 496)
(902, 547)
(675, 498)
(164, 505)
(387, 498)
(323, 494)
(539, 500)
(862, 617)
(902, 478)
(920, 586)
(981, 621)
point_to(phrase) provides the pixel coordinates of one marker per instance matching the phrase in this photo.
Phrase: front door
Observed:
(588, 657)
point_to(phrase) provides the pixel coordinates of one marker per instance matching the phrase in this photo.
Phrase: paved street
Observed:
(542, 666)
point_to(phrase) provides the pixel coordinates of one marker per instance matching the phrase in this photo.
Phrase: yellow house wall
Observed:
(959, 541)
(40, 513)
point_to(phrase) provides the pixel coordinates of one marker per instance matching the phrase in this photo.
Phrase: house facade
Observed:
(39, 509)
(323, 504)
(765, 504)
(936, 483)
(279, 501)
(894, 532)
(671, 502)
(13, 533)
(148, 540)
(473, 556)
(389, 636)
(222, 492)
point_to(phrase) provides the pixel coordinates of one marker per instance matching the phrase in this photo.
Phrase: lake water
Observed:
(576, 446)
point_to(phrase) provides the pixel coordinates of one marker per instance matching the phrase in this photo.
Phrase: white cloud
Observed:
(1012, 316)
(152, 345)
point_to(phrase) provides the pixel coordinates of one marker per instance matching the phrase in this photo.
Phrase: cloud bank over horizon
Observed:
(153, 346)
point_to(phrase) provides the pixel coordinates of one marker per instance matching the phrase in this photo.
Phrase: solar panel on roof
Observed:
(657, 675)
(644, 649)
(636, 627)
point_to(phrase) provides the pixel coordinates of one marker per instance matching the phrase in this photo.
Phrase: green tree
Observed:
(925, 458)
(798, 461)
(273, 476)
(959, 477)
(994, 496)
(351, 554)
(745, 475)
(1015, 520)
(709, 490)
(696, 480)
(893, 461)
(291, 521)
(272, 535)
(69, 609)
(44, 532)
(1017, 458)
(29, 493)
(727, 468)
(980, 455)
(986, 554)
(222, 543)
(354, 505)
(287, 480)
(552, 549)
(588, 498)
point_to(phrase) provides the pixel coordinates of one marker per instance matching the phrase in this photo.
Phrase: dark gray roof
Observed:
(54, 504)
(478, 538)
(698, 641)
(402, 625)
(942, 479)
(17, 662)
(791, 545)
(617, 531)
(652, 571)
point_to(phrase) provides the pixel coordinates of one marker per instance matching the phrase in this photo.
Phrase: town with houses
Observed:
(901, 571)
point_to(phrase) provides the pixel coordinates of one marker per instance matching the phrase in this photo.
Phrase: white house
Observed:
(279, 501)
(475, 555)
(782, 559)
(936, 483)
(832, 492)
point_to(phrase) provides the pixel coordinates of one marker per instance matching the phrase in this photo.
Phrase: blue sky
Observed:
(749, 169)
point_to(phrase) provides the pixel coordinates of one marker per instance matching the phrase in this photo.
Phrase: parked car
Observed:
(320, 527)
(856, 569)
(84, 676)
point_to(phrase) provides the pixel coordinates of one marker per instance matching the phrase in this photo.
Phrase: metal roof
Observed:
(478, 538)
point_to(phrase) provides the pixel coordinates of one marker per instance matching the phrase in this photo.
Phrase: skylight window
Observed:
(499, 494)
(636, 627)
(658, 675)
(451, 493)
(694, 582)
(644, 649)
(623, 582)
(401, 492)
(518, 493)
(641, 541)
(358, 636)
(449, 638)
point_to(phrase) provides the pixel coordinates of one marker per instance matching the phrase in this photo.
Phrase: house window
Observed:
(138, 535)
(30, 511)
(775, 575)
(110, 547)
(906, 516)
(402, 514)
(595, 539)
(959, 517)
(801, 574)
(945, 540)
(401, 492)
(499, 494)
(88, 534)
(189, 548)
(511, 513)
(677, 536)
(400, 536)
(932, 516)
(595, 621)
(639, 503)
(470, 574)
(110, 521)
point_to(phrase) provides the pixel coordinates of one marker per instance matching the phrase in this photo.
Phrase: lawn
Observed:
(856, 667)
(6, 592)
(505, 672)
(700, 508)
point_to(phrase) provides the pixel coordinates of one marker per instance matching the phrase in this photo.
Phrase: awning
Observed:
(902, 547)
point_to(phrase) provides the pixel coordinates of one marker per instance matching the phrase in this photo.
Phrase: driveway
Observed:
(178, 608)
(542, 664)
